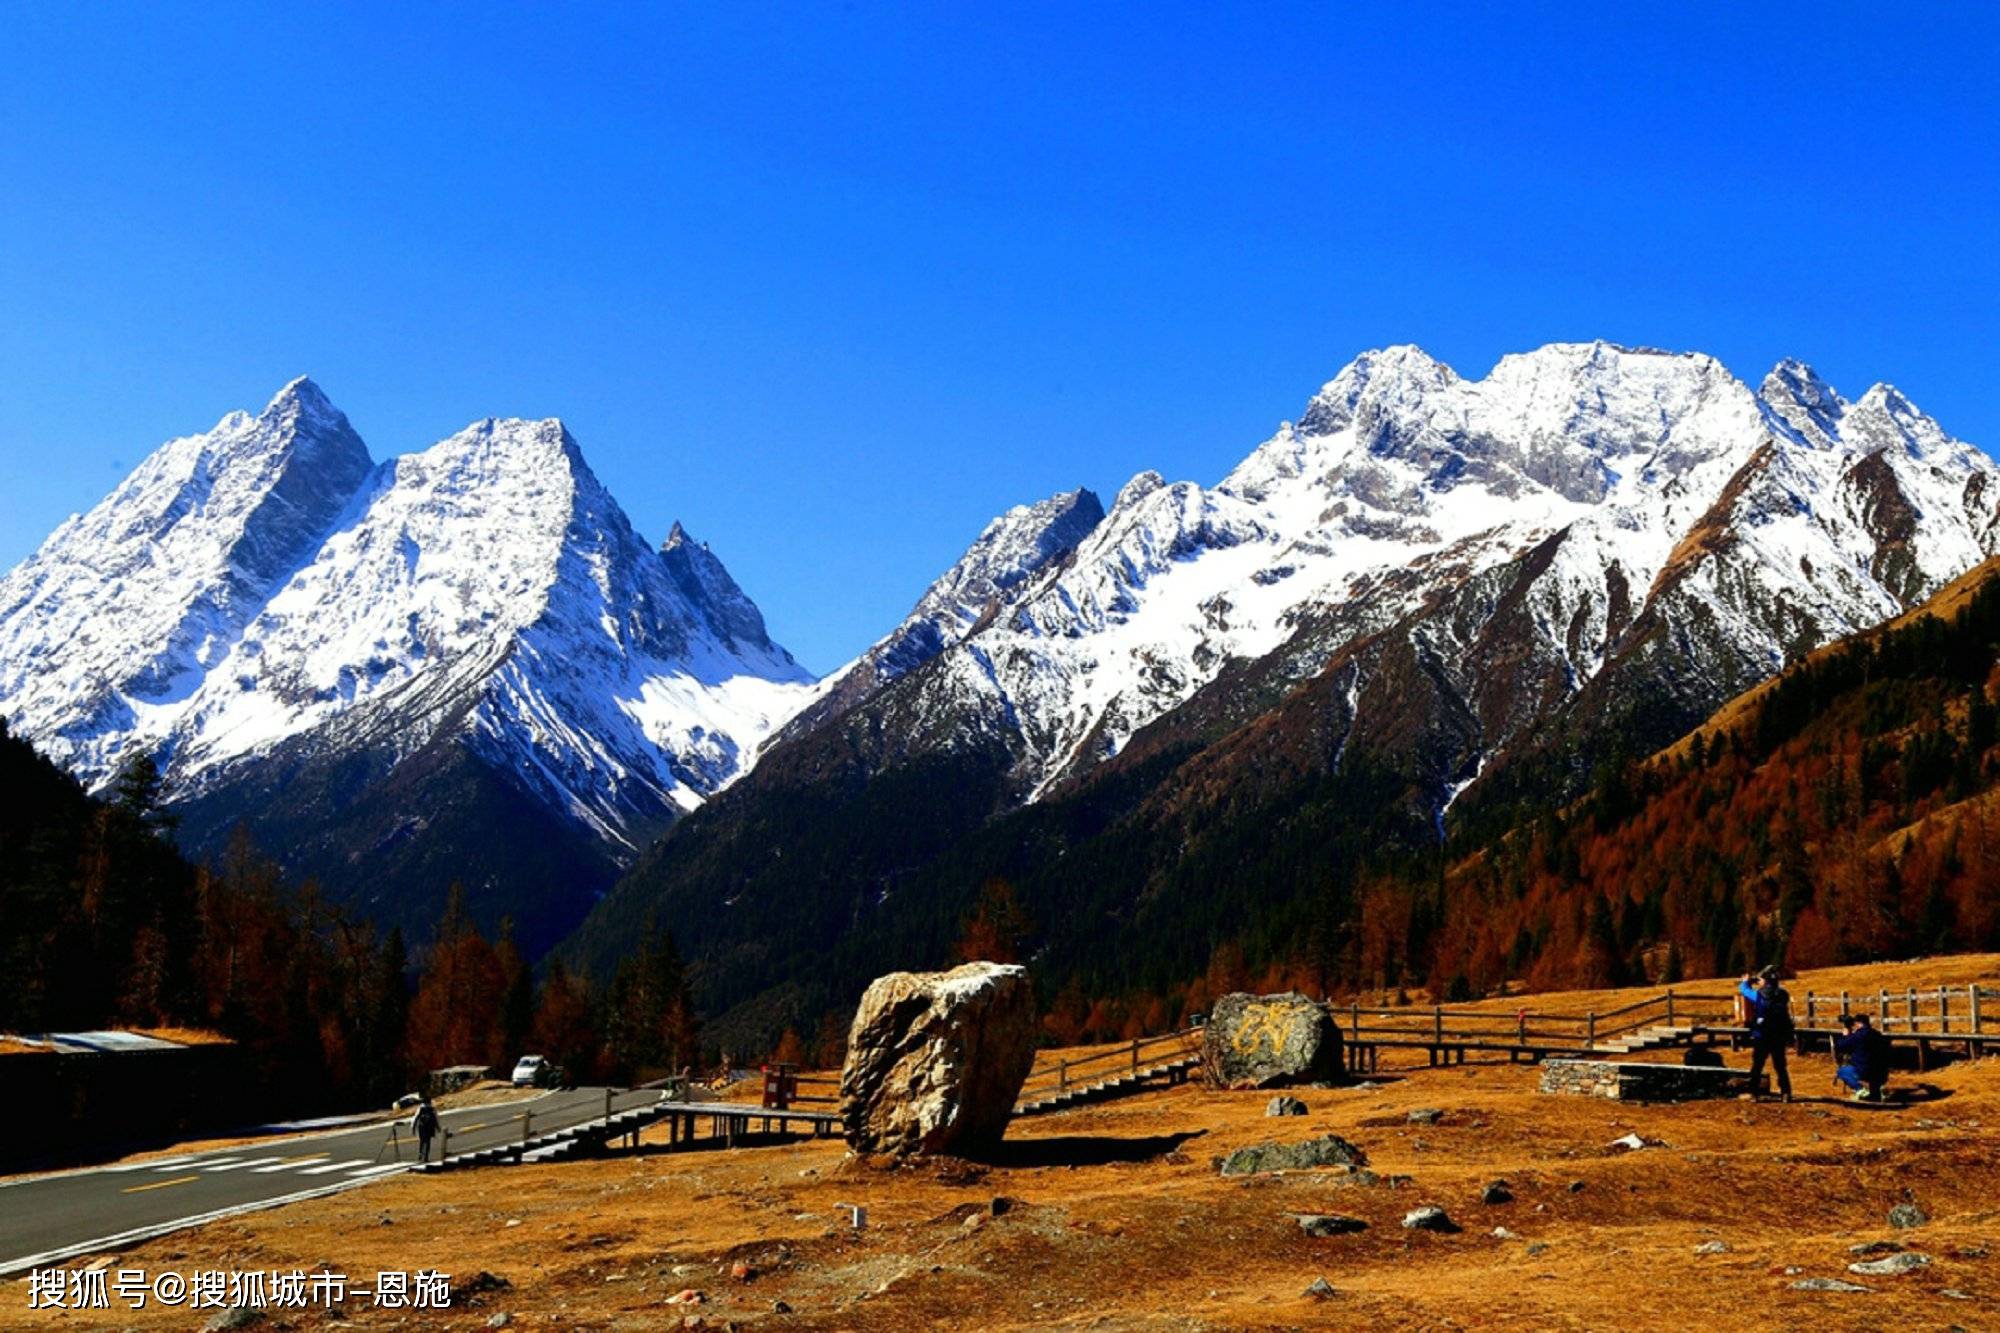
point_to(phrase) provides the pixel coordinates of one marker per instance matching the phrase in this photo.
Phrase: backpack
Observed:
(1777, 1021)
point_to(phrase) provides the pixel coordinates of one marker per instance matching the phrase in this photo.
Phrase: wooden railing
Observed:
(1936, 1011)
(1054, 1075)
(1947, 1011)
(1951, 1011)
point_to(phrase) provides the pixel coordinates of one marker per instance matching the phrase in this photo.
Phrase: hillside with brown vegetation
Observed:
(1844, 811)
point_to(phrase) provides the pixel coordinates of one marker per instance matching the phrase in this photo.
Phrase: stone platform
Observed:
(1637, 1081)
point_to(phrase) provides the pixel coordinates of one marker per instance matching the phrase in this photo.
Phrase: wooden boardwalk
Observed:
(728, 1124)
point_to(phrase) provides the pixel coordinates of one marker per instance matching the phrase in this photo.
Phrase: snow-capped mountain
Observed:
(1759, 522)
(1430, 604)
(116, 620)
(269, 613)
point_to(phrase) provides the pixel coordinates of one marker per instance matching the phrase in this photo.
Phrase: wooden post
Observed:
(607, 1108)
(1910, 1012)
(1882, 1001)
(1810, 1011)
(1592, 1041)
(1670, 1006)
(1135, 1057)
(1974, 989)
(1944, 1009)
(1062, 1077)
(1437, 1023)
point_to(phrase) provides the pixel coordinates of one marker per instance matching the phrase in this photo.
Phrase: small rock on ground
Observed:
(1426, 1115)
(1537, 1249)
(1827, 1284)
(1876, 1247)
(241, 1317)
(1496, 1192)
(1285, 1106)
(1906, 1215)
(1330, 1150)
(1712, 1247)
(1909, 1261)
(1429, 1218)
(1320, 1289)
(500, 1320)
(1329, 1224)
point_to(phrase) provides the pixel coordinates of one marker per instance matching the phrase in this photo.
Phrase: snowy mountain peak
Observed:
(1400, 375)
(1132, 492)
(1883, 418)
(264, 595)
(123, 609)
(1802, 400)
(1619, 477)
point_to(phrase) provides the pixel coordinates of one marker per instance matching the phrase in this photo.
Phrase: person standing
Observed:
(424, 1124)
(1770, 1027)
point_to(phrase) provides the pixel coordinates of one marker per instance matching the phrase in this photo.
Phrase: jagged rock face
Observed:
(935, 1061)
(1266, 1041)
(295, 631)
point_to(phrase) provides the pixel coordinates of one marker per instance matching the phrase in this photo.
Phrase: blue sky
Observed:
(833, 285)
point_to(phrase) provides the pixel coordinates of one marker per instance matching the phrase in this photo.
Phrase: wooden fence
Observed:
(1055, 1075)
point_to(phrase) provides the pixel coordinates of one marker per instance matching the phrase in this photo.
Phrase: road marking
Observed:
(203, 1165)
(332, 1166)
(289, 1162)
(375, 1170)
(238, 1166)
(159, 1185)
(467, 1129)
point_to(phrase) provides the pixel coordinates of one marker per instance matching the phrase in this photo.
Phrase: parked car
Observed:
(534, 1071)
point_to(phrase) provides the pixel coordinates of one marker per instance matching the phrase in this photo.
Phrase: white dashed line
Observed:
(238, 1166)
(210, 1164)
(331, 1167)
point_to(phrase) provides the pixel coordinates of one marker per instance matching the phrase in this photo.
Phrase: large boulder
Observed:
(935, 1060)
(1264, 1041)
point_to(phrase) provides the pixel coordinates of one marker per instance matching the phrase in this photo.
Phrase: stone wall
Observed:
(1636, 1081)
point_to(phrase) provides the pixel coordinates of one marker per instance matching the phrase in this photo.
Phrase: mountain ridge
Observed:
(486, 595)
(1469, 592)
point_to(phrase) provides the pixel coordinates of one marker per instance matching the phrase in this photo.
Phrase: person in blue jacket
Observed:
(1770, 1027)
(1864, 1057)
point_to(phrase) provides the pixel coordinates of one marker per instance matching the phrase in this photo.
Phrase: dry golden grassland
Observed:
(1115, 1217)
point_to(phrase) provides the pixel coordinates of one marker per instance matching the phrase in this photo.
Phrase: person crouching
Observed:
(1864, 1058)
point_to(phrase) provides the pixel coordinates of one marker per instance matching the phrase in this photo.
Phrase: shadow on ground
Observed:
(1086, 1150)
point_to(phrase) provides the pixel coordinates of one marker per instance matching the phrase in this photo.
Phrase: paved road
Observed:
(46, 1219)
